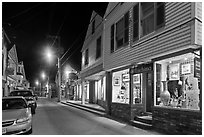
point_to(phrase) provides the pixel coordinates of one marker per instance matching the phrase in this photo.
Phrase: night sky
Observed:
(27, 25)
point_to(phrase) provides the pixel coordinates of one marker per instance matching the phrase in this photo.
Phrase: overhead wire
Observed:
(73, 43)
(23, 12)
(32, 17)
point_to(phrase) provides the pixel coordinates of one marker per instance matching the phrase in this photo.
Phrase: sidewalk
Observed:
(96, 109)
(93, 108)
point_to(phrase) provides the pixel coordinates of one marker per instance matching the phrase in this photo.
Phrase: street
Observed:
(54, 118)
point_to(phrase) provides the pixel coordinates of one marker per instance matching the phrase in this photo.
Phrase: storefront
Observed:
(177, 94)
(120, 104)
(142, 90)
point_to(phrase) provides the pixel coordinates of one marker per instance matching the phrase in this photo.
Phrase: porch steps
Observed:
(144, 122)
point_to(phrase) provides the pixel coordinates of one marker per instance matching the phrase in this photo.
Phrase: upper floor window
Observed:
(147, 17)
(98, 48)
(122, 31)
(93, 27)
(151, 15)
(86, 57)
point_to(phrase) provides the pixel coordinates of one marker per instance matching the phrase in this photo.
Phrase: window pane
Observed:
(126, 35)
(119, 40)
(147, 7)
(119, 33)
(87, 57)
(98, 48)
(148, 24)
(119, 26)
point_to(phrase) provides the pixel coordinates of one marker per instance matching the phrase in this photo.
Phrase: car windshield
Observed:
(14, 103)
(21, 93)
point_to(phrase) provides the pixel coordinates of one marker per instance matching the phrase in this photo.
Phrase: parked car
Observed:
(28, 94)
(16, 116)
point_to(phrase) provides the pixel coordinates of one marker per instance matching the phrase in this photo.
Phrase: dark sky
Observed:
(27, 24)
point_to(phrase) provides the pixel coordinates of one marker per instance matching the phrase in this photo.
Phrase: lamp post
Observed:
(59, 79)
(38, 83)
(49, 56)
(44, 76)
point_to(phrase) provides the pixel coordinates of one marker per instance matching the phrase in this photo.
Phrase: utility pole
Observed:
(59, 80)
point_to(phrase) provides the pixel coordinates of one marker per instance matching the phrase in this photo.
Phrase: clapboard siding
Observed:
(155, 47)
(198, 8)
(198, 33)
(178, 14)
(172, 37)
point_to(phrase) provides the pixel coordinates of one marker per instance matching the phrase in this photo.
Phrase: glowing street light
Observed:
(50, 55)
(37, 82)
(43, 75)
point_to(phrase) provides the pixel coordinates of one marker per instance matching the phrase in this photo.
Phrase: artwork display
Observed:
(120, 86)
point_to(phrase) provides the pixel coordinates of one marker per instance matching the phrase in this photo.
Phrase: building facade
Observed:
(92, 81)
(5, 44)
(152, 59)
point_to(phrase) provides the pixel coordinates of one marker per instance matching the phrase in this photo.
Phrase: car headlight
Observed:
(22, 120)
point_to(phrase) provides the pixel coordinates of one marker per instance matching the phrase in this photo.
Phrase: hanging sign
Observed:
(197, 67)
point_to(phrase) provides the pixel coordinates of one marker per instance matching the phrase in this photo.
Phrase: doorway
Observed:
(149, 91)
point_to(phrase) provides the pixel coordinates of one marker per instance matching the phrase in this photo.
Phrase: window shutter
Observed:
(160, 14)
(126, 34)
(112, 38)
(136, 22)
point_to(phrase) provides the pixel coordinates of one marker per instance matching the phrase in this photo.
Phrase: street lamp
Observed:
(49, 55)
(38, 83)
(47, 85)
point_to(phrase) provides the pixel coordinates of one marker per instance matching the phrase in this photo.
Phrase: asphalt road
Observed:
(54, 118)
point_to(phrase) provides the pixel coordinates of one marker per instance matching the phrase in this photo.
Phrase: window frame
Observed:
(140, 19)
(121, 32)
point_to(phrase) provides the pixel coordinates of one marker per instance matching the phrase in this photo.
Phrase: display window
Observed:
(137, 88)
(177, 82)
(120, 86)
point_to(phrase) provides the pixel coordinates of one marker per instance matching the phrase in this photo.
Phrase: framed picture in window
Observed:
(136, 78)
(125, 77)
(174, 72)
(116, 81)
(185, 69)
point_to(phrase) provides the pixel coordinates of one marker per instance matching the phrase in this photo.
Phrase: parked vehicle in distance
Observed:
(28, 95)
(16, 116)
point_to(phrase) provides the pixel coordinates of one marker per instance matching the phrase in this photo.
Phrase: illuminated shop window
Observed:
(137, 88)
(120, 86)
(177, 82)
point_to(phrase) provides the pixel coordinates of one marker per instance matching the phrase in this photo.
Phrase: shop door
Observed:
(149, 92)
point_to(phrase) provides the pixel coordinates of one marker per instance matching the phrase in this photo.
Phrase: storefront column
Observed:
(82, 92)
(108, 92)
(91, 91)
